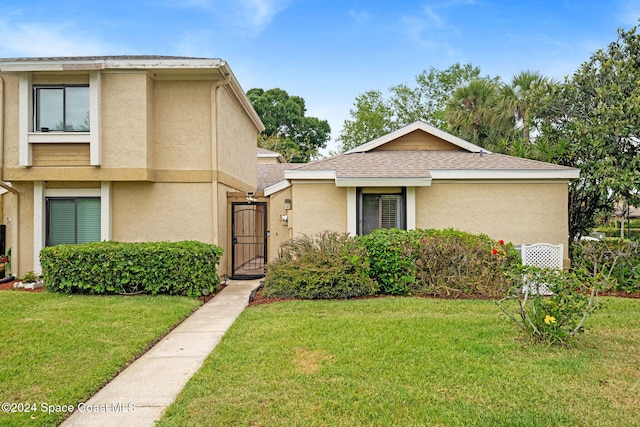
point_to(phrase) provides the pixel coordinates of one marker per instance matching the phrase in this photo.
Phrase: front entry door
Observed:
(249, 239)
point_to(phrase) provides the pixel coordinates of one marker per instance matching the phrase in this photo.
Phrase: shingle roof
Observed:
(272, 173)
(405, 164)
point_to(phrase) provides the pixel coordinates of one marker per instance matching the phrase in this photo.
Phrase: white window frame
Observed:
(40, 194)
(352, 209)
(64, 89)
(28, 136)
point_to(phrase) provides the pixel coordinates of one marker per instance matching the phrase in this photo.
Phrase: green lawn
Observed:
(58, 349)
(412, 362)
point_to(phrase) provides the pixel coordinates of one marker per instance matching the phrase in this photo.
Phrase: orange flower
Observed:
(494, 251)
(501, 242)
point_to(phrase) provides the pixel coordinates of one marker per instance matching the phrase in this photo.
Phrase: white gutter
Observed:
(284, 184)
(87, 64)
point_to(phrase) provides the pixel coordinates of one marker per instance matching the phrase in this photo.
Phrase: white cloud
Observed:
(256, 15)
(429, 27)
(248, 16)
(433, 17)
(32, 39)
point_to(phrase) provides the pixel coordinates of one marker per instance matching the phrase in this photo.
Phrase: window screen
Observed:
(381, 211)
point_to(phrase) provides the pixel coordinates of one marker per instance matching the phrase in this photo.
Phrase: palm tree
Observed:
(475, 113)
(516, 97)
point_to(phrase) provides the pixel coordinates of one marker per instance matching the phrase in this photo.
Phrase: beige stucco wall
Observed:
(318, 207)
(182, 113)
(161, 211)
(279, 232)
(517, 213)
(236, 151)
(24, 213)
(10, 99)
(124, 120)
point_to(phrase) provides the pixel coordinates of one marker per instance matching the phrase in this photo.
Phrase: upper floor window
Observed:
(61, 108)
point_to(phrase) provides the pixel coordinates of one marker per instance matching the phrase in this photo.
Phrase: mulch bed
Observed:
(258, 298)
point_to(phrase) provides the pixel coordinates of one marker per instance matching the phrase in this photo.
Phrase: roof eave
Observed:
(104, 64)
(279, 186)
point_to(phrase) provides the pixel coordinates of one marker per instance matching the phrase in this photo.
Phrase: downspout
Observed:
(15, 229)
(214, 152)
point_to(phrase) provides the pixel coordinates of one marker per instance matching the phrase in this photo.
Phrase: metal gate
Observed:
(249, 240)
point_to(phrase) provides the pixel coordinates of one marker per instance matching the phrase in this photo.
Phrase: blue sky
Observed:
(326, 51)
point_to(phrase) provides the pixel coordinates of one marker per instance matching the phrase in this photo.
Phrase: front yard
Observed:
(413, 362)
(58, 349)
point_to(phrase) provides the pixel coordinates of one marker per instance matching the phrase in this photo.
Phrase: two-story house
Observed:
(126, 148)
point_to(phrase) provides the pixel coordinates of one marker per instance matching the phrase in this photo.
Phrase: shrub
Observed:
(328, 265)
(444, 263)
(391, 255)
(615, 260)
(555, 318)
(174, 268)
(453, 263)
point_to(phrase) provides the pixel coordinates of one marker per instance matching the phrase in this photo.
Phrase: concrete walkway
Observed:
(139, 395)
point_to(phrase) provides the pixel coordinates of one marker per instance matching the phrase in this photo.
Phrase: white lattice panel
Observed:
(541, 255)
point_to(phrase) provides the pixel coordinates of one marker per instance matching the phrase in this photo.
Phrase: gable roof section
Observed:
(368, 166)
(419, 168)
(422, 126)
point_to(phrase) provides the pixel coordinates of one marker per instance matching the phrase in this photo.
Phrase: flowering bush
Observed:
(554, 318)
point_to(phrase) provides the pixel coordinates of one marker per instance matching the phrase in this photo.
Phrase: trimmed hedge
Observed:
(326, 266)
(173, 268)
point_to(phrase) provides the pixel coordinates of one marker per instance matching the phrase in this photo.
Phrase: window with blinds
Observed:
(73, 220)
(381, 211)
